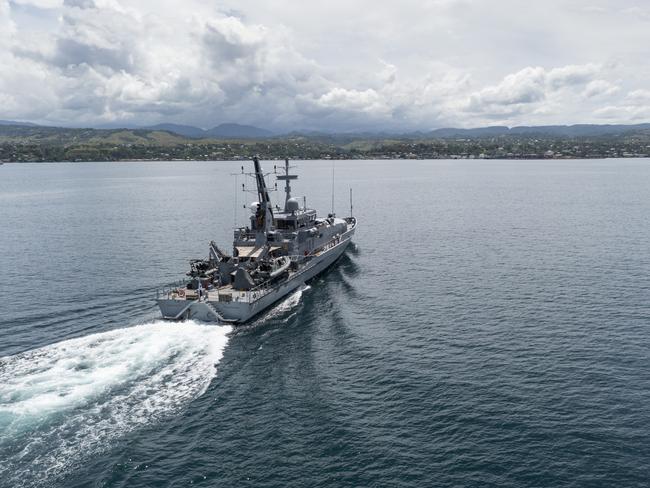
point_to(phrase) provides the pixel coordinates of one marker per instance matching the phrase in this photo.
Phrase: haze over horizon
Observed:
(328, 67)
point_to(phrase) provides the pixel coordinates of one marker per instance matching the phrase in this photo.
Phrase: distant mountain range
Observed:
(238, 131)
(222, 131)
(13, 122)
(542, 131)
(579, 130)
(34, 143)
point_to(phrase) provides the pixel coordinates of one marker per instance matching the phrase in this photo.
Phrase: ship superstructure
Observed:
(276, 253)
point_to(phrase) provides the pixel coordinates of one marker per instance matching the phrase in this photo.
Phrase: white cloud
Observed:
(572, 75)
(629, 113)
(535, 92)
(634, 107)
(524, 87)
(337, 66)
(7, 26)
(639, 96)
(40, 3)
(354, 100)
(600, 88)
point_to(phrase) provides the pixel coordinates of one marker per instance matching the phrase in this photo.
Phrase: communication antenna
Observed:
(236, 209)
(253, 175)
(277, 197)
(350, 201)
(333, 187)
(234, 216)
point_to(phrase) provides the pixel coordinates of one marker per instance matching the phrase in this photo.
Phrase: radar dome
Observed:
(254, 206)
(292, 205)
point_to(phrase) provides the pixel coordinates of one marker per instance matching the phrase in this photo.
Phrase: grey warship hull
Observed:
(280, 251)
(247, 304)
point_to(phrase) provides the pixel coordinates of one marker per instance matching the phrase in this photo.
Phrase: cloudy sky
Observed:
(338, 65)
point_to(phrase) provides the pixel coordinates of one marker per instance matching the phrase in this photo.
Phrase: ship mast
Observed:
(286, 177)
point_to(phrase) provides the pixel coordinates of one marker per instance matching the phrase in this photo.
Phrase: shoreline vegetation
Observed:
(53, 144)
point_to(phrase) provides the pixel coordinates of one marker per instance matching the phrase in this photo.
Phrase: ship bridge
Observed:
(294, 220)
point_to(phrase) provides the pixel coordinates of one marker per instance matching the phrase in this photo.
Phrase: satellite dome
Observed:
(292, 205)
(254, 206)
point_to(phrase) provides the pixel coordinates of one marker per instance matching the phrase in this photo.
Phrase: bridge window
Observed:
(284, 224)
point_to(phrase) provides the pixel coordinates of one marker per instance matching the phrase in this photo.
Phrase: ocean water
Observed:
(489, 327)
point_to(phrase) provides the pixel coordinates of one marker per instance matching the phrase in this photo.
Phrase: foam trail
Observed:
(71, 399)
(286, 305)
(292, 300)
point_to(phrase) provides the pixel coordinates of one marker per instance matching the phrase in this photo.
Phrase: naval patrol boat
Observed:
(280, 250)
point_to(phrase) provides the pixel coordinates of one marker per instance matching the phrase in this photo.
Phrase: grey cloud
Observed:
(289, 66)
(535, 91)
(83, 4)
(600, 88)
(572, 75)
(72, 52)
(224, 48)
(524, 87)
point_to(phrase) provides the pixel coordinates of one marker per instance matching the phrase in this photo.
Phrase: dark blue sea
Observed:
(490, 326)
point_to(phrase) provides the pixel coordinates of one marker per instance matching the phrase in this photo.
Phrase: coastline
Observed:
(367, 158)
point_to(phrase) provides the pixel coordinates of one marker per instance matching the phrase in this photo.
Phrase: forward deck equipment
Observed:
(276, 254)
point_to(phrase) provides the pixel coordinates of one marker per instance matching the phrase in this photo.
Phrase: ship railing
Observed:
(170, 291)
(259, 291)
(242, 235)
(338, 239)
(167, 291)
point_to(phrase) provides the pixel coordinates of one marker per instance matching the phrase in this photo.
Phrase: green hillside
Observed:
(38, 144)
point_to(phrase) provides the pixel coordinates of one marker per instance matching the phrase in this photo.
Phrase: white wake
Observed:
(291, 301)
(64, 401)
(282, 308)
